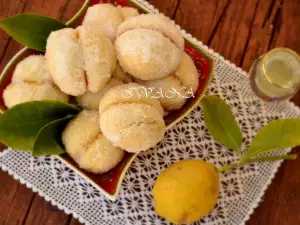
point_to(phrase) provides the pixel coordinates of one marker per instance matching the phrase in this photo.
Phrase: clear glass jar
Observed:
(276, 75)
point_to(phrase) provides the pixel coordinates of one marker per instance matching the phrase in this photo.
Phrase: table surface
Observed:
(240, 30)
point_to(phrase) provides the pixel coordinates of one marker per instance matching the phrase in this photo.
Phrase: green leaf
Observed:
(20, 125)
(279, 134)
(31, 30)
(220, 122)
(48, 141)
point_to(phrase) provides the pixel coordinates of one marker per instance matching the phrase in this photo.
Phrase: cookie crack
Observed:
(136, 124)
(177, 78)
(166, 36)
(128, 103)
(30, 82)
(88, 145)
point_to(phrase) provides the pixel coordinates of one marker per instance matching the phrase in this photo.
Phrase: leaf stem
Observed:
(229, 167)
(271, 158)
(260, 159)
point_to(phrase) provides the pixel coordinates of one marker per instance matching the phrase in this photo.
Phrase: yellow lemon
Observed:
(186, 191)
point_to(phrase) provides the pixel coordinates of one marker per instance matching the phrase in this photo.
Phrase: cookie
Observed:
(79, 60)
(103, 19)
(31, 81)
(134, 123)
(149, 46)
(175, 89)
(85, 143)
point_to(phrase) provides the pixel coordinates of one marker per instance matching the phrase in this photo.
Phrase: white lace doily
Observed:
(241, 189)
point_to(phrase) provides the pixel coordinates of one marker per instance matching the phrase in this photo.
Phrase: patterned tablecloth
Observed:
(241, 189)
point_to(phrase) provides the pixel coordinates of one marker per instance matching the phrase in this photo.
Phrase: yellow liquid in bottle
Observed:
(278, 75)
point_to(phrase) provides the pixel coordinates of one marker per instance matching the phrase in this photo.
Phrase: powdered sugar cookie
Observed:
(87, 146)
(65, 61)
(31, 81)
(149, 46)
(103, 19)
(80, 61)
(173, 90)
(134, 123)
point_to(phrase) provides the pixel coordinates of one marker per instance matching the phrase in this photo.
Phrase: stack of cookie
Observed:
(115, 63)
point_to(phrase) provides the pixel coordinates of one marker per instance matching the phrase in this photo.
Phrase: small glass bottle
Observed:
(276, 75)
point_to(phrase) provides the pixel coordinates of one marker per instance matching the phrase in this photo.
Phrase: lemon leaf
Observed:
(20, 125)
(279, 134)
(31, 30)
(221, 123)
(48, 140)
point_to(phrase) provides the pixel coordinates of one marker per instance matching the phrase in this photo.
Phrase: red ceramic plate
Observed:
(110, 182)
